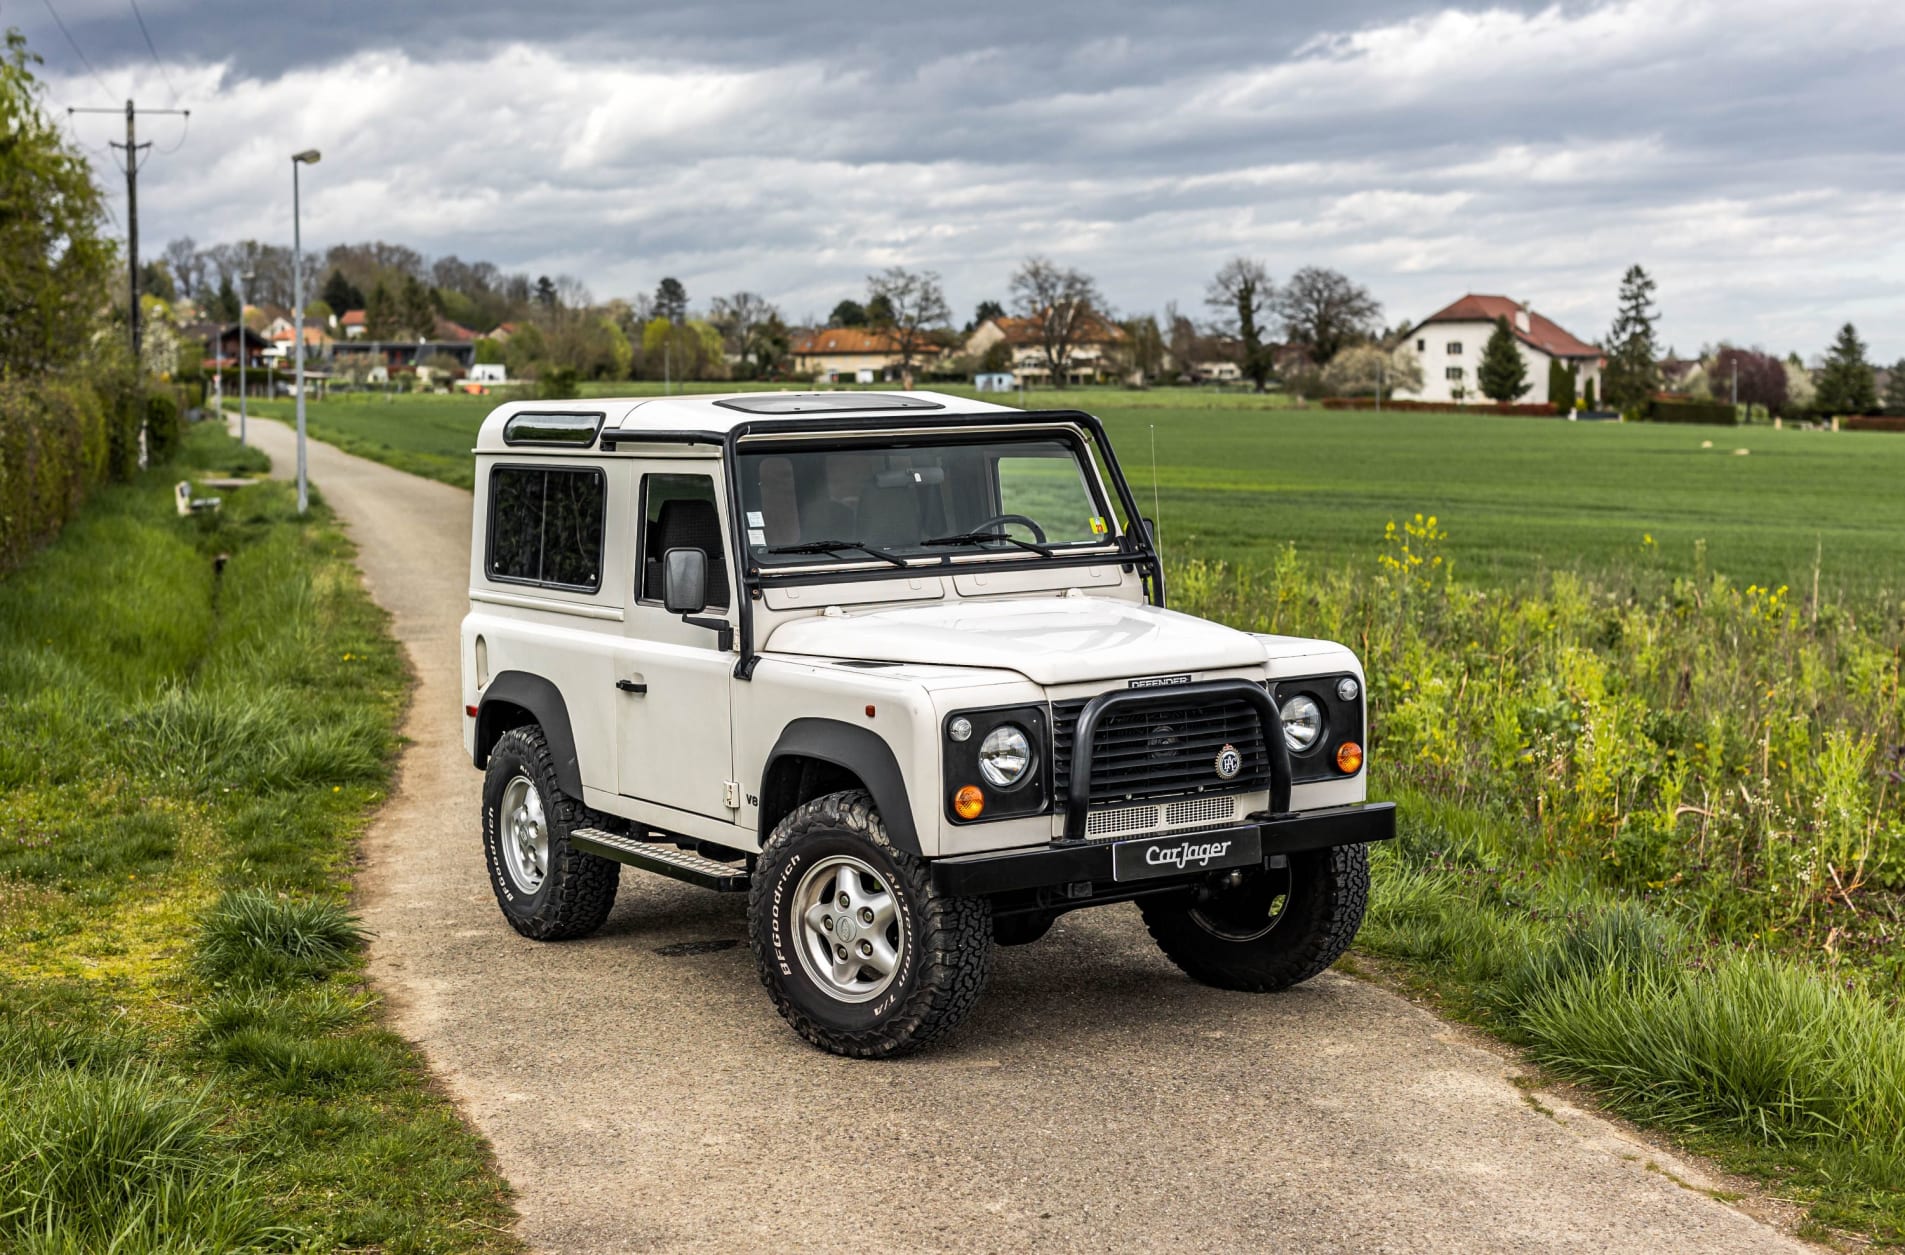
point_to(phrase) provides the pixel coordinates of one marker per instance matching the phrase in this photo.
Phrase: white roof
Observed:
(706, 411)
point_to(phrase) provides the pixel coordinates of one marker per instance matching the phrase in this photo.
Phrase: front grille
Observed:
(1162, 748)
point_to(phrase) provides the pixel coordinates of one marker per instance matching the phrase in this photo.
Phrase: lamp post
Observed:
(244, 351)
(308, 157)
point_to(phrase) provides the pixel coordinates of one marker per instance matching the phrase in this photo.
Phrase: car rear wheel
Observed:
(1266, 929)
(857, 949)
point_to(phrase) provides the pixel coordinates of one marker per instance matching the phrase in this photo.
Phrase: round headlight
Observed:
(1005, 756)
(960, 729)
(1347, 688)
(1302, 722)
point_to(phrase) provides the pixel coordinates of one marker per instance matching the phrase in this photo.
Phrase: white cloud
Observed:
(1746, 152)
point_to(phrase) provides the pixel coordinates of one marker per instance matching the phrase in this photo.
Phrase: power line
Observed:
(54, 13)
(141, 19)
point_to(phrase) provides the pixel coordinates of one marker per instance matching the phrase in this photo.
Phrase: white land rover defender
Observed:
(897, 665)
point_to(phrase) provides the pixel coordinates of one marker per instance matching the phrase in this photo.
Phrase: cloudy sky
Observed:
(1750, 153)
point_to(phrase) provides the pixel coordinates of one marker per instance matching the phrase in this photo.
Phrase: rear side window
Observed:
(545, 526)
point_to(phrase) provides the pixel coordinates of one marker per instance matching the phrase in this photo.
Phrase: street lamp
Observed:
(308, 157)
(244, 351)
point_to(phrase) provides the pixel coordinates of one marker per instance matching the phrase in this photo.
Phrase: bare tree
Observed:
(739, 318)
(913, 307)
(1061, 302)
(1242, 296)
(1323, 311)
(187, 265)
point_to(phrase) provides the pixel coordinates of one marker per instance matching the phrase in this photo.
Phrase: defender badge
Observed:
(1229, 762)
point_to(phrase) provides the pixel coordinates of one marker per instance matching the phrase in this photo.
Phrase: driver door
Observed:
(673, 721)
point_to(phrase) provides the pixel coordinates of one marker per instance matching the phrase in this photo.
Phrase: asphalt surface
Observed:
(641, 1094)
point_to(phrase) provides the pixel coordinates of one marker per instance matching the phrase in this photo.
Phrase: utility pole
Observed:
(1736, 386)
(132, 146)
(244, 351)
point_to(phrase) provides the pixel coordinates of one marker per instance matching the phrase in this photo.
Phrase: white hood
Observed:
(1050, 641)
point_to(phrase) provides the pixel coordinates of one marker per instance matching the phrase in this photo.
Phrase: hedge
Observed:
(1541, 410)
(54, 450)
(1714, 413)
(163, 429)
(1873, 422)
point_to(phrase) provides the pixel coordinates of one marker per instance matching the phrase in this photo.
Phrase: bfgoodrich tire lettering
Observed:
(1275, 930)
(944, 948)
(561, 893)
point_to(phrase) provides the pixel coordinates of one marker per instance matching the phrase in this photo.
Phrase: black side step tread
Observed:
(663, 859)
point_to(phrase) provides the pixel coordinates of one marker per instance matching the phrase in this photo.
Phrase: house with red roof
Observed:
(355, 324)
(1450, 343)
(1094, 350)
(848, 355)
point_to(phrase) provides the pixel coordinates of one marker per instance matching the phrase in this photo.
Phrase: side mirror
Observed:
(1150, 532)
(684, 581)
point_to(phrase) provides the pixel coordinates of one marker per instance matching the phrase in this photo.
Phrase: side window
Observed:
(545, 527)
(679, 512)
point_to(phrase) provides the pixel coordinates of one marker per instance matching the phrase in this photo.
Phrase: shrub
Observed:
(163, 428)
(1533, 409)
(255, 938)
(1714, 413)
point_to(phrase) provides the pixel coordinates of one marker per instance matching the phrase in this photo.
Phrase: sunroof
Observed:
(826, 402)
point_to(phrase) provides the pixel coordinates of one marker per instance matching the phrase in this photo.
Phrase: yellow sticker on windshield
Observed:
(1098, 527)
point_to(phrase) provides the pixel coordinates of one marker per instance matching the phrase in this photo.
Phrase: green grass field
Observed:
(1238, 477)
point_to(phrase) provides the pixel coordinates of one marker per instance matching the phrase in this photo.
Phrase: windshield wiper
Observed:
(976, 538)
(839, 546)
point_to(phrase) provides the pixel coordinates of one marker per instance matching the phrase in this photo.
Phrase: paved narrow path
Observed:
(642, 1095)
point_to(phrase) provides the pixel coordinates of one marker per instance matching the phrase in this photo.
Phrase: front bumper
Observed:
(1069, 863)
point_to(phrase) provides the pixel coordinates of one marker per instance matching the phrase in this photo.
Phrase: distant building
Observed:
(354, 323)
(998, 382)
(1450, 344)
(847, 355)
(1094, 351)
(489, 372)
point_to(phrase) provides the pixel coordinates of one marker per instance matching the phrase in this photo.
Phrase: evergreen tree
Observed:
(848, 313)
(1845, 384)
(1503, 374)
(225, 304)
(416, 314)
(545, 292)
(1895, 389)
(1587, 395)
(1561, 380)
(380, 313)
(341, 294)
(1633, 370)
(671, 301)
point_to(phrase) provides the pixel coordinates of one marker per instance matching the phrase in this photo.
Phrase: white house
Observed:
(1450, 344)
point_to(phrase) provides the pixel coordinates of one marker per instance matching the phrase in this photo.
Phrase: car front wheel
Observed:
(857, 949)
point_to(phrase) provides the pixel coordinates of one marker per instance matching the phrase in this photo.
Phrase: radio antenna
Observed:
(1157, 525)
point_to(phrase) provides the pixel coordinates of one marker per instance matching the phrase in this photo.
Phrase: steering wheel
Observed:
(1000, 520)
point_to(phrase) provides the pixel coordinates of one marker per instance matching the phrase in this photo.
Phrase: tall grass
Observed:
(1732, 752)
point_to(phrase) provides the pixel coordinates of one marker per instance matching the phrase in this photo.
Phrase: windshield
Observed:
(887, 501)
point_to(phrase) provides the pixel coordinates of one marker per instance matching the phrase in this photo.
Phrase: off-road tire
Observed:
(943, 965)
(1328, 892)
(578, 889)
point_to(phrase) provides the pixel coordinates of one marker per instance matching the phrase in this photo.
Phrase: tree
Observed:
(913, 305)
(1061, 304)
(671, 300)
(740, 319)
(848, 313)
(1363, 369)
(1143, 350)
(1242, 296)
(1762, 378)
(225, 304)
(341, 294)
(381, 314)
(155, 279)
(1502, 373)
(1895, 388)
(1323, 312)
(997, 359)
(770, 345)
(985, 311)
(489, 352)
(545, 292)
(1846, 384)
(55, 266)
(1561, 384)
(416, 316)
(1633, 371)
(188, 267)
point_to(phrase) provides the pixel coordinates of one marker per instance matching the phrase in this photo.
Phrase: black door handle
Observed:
(630, 686)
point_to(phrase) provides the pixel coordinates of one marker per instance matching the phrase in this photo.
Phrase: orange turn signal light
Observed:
(1349, 758)
(969, 802)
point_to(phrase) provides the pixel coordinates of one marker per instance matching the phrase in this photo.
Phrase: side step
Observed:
(664, 859)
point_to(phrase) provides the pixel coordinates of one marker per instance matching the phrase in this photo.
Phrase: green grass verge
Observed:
(189, 1059)
(1769, 1067)
(1240, 476)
